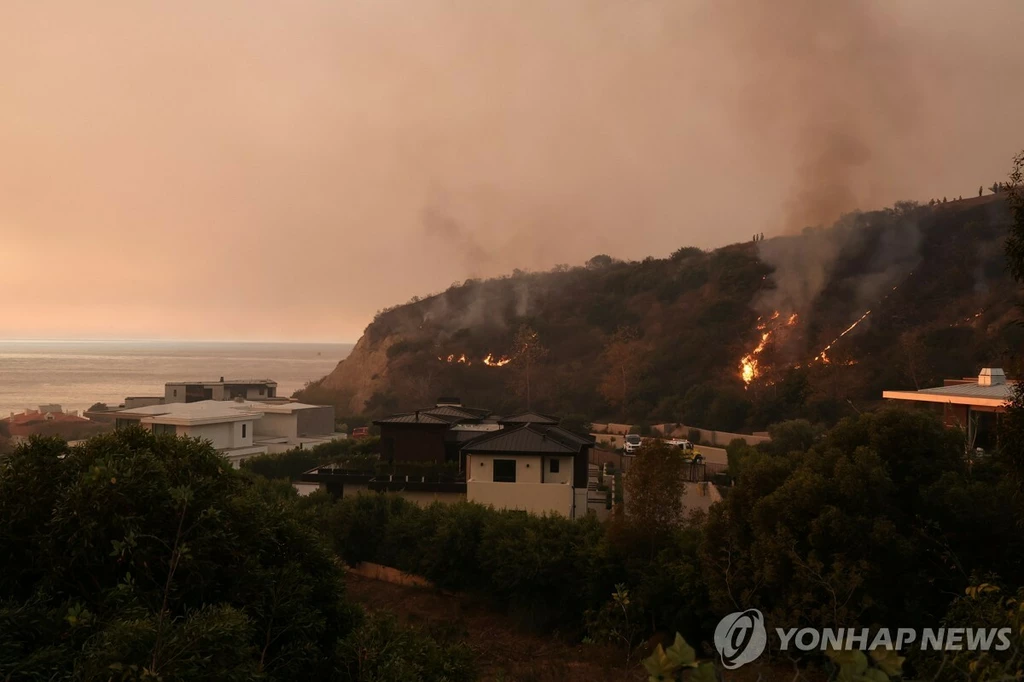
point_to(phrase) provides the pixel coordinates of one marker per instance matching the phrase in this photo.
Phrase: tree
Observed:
(814, 537)
(1012, 424)
(624, 359)
(1015, 241)
(599, 261)
(654, 489)
(527, 351)
(138, 556)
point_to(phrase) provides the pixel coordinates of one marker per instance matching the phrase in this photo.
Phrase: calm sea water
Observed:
(77, 374)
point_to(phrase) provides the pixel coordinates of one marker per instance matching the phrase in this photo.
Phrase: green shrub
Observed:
(137, 556)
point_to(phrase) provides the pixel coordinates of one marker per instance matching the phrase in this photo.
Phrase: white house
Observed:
(240, 428)
(289, 425)
(529, 465)
(230, 428)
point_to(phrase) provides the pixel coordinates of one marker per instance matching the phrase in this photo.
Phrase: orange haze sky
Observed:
(257, 169)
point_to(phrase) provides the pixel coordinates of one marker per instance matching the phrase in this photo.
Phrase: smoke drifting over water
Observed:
(206, 165)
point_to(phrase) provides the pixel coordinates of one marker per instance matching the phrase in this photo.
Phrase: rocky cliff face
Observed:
(730, 339)
(359, 376)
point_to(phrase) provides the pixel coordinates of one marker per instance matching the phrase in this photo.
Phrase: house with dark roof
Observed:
(433, 435)
(522, 461)
(537, 467)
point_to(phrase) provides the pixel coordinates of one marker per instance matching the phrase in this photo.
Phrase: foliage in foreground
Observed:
(147, 557)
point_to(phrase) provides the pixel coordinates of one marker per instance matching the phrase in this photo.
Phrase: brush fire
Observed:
(490, 360)
(749, 365)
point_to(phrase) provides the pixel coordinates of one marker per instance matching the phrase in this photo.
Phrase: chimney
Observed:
(991, 376)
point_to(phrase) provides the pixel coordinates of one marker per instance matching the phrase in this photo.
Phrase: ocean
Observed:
(77, 374)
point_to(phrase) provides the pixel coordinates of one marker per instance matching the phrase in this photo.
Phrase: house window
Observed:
(554, 465)
(175, 393)
(504, 471)
(262, 391)
(243, 430)
(163, 428)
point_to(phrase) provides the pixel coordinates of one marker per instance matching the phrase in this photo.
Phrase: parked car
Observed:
(361, 432)
(633, 443)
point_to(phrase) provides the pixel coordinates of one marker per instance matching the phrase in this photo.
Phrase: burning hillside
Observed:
(923, 274)
(489, 360)
(750, 365)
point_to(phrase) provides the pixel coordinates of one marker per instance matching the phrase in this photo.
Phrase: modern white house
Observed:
(196, 391)
(230, 428)
(239, 429)
(290, 425)
(974, 404)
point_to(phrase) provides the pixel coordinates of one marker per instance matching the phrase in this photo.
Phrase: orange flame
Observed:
(461, 359)
(824, 358)
(749, 369)
(492, 361)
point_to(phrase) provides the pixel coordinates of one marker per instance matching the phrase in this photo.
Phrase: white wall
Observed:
(535, 498)
(481, 468)
(283, 425)
(225, 436)
(564, 474)
(528, 493)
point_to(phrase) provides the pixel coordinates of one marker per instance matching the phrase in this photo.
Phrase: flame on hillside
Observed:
(492, 361)
(822, 356)
(455, 359)
(749, 366)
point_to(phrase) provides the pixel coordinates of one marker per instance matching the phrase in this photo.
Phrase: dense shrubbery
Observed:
(293, 463)
(142, 557)
(547, 571)
(877, 521)
(139, 555)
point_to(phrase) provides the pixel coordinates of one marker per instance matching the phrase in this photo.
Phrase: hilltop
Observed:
(737, 337)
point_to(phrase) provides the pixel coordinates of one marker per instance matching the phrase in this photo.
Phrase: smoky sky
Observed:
(268, 170)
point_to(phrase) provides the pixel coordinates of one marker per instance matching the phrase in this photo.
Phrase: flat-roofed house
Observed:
(196, 391)
(229, 427)
(973, 403)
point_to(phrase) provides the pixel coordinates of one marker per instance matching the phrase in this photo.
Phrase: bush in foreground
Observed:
(147, 557)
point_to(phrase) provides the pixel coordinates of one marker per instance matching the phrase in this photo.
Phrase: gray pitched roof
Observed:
(529, 417)
(527, 439)
(453, 411)
(414, 418)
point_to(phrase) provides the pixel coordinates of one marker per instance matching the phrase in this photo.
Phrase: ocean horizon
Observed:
(79, 373)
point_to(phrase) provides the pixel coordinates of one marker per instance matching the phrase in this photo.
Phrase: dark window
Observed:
(261, 391)
(163, 428)
(554, 465)
(175, 393)
(243, 430)
(504, 471)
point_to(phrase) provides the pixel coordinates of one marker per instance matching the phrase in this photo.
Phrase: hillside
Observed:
(738, 337)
